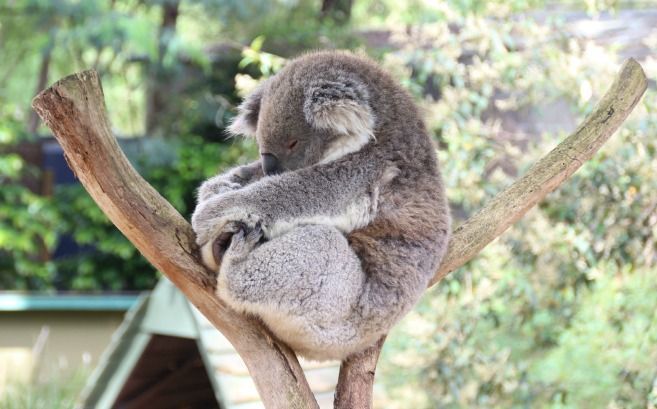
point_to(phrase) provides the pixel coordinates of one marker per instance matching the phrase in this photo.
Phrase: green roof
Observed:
(150, 338)
(66, 302)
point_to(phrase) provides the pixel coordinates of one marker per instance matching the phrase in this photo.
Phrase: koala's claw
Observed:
(244, 241)
(217, 186)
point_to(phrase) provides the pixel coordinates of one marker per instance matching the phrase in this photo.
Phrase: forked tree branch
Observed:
(74, 109)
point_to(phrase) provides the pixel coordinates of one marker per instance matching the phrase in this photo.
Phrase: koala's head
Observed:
(315, 110)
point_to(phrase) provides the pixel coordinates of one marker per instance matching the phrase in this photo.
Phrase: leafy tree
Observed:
(557, 313)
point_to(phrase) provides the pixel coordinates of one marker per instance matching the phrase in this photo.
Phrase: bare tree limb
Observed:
(549, 172)
(510, 205)
(356, 379)
(74, 109)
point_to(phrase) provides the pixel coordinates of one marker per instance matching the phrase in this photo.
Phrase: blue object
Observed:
(66, 302)
(54, 162)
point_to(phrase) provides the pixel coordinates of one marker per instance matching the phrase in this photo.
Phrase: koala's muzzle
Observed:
(270, 164)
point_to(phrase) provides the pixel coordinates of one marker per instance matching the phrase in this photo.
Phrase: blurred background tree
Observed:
(559, 312)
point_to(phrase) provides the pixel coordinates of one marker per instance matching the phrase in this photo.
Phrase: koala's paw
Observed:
(246, 173)
(212, 215)
(212, 251)
(243, 242)
(215, 233)
(217, 186)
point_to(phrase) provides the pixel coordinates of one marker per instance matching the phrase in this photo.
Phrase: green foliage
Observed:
(28, 222)
(57, 393)
(289, 26)
(267, 63)
(557, 313)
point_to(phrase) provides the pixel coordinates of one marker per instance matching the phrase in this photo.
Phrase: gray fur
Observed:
(246, 122)
(335, 250)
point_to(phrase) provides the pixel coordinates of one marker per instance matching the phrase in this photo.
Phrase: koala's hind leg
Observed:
(304, 284)
(398, 269)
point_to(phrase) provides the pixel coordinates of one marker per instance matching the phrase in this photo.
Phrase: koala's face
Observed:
(285, 139)
(306, 115)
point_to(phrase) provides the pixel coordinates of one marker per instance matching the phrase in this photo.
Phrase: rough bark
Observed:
(74, 110)
(356, 379)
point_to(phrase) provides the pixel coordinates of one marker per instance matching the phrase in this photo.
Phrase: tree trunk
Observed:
(42, 81)
(356, 379)
(159, 98)
(337, 10)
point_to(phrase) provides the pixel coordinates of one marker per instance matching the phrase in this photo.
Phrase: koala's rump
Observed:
(309, 303)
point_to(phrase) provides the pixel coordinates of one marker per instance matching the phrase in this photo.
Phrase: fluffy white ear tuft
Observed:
(342, 106)
(346, 117)
(240, 125)
(246, 121)
(359, 136)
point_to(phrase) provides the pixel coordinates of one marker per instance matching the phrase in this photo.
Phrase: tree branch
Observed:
(74, 109)
(509, 206)
(549, 172)
(354, 390)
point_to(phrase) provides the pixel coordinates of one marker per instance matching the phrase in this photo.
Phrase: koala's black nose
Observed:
(270, 164)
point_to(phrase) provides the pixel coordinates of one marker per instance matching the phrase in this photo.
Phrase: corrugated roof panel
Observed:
(163, 312)
(233, 378)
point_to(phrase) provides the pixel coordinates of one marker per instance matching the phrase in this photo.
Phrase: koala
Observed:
(334, 233)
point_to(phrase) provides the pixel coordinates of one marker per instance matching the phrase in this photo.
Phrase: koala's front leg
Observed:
(344, 196)
(234, 179)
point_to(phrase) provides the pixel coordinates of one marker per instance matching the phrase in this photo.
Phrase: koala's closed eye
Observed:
(292, 144)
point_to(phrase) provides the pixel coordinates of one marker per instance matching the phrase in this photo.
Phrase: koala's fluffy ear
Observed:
(246, 121)
(341, 105)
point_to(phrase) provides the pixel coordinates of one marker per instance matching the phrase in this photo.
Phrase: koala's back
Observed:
(404, 244)
(401, 248)
(414, 202)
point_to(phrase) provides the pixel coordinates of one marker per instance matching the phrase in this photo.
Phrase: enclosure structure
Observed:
(40, 334)
(166, 354)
